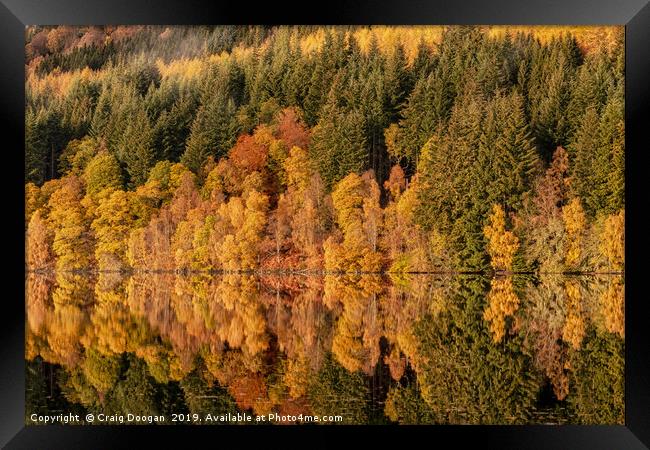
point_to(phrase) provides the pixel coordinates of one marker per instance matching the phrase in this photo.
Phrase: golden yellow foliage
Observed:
(296, 376)
(575, 224)
(574, 328)
(502, 244)
(39, 244)
(73, 244)
(33, 200)
(112, 226)
(356, 339)
(502, 303)
(356, 204)
(612, 240)
(612, 303)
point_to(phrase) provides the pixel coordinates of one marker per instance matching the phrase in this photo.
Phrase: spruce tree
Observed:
(338, 143)
(36, 148)
(582, 152)
(213, 132)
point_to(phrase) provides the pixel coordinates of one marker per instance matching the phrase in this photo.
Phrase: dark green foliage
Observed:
(135, 148)
(428, 107)
(36, 149)
(135, 392)
(507, 152)
(337, 391)
(172, 130)
(45, 138)
(598, 157)
(550, 82)
(339, 143)
(485, 156)
(598, 384)
(91, 56)
(43, 394)
(201, 398)
(453, 198)
(213, 132)
(463, 375)
(405, 406)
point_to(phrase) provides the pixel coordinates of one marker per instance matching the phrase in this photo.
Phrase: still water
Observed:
(370, 349)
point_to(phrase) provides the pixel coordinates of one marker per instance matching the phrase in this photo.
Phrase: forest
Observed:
(395, 224)
(311, 149)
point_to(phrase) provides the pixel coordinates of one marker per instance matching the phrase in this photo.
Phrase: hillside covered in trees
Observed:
(338, 149)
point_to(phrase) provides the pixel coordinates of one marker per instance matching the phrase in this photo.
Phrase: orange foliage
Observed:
(248, 154)
(396, 182)
(292, 130)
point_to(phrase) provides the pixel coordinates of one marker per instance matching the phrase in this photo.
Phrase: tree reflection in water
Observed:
(418, 349)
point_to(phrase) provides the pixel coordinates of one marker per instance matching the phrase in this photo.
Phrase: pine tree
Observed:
(609, 161)
(453, 197)
(172, 130)
(427, 109)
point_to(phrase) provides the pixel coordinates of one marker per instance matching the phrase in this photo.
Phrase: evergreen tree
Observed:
(36, 149)
(213, 131)
(338, 143)
(582, 154)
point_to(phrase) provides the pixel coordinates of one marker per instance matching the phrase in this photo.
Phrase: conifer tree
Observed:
(213, 131)
(339, 142)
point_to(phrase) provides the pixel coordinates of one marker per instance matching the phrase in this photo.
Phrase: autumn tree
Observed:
(73, 241)
(356, 205)
(612, 240)
(39, 243)
(575, 224)
(502, 244)
(503, 302)
(114, 221)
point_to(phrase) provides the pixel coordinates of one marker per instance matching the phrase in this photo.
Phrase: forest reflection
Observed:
(375, 349)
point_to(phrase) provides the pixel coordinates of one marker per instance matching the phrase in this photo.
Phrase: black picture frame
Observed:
(634, 14)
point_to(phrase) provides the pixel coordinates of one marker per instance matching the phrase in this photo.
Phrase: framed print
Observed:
(395, 218)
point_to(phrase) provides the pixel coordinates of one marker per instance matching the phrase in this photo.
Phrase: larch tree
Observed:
(503, 302)
(612, 241)
(502, 244)
(355, 201)
(33, 200)
(39, 244)
(112, 226)
(73, 240)
(575, 224)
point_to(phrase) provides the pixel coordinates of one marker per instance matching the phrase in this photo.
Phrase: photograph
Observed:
(319, 224)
